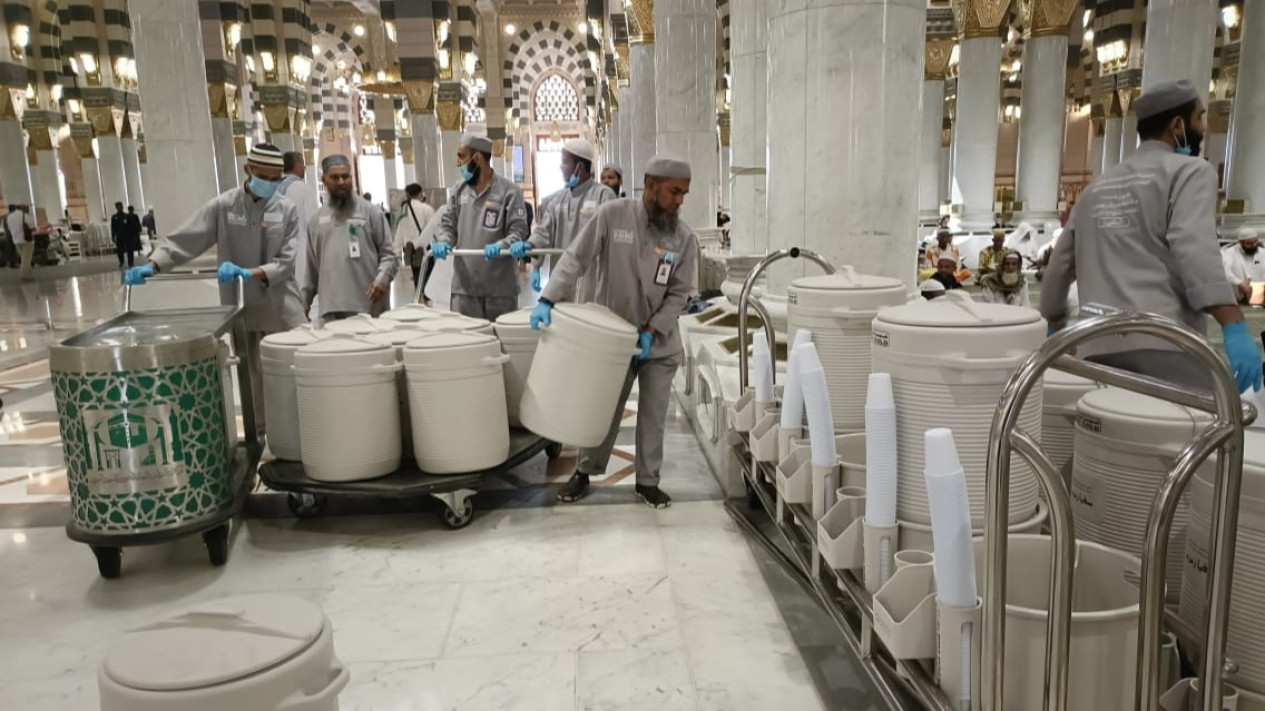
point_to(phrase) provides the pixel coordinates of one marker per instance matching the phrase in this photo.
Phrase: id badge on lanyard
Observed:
(664, 271)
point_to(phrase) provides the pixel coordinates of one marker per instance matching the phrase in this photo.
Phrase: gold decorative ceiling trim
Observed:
(980, 18)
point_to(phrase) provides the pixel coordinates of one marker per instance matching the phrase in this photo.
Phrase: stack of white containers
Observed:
(1058, 417)
(281, 399)
(358, 325)
(349, 420)
(457, 400)
(949, 361)
(397, 338)
(518, 341)
(413, 313)
(1125, 445)
(838, 309)
(1245, 646)
(455, 323)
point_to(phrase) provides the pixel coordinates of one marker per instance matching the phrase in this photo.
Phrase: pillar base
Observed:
(929, 217)
(976, 222)
(1036, 217)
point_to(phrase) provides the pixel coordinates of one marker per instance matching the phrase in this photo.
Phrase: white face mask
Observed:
(1010, 278)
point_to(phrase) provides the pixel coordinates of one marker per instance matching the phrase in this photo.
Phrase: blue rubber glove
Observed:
(137, 275)
(1245, 357)
(519, 250)
(541, 315)
(440, 250)
(492, 251)
(644, 339)
(535, 280)
(229, 272)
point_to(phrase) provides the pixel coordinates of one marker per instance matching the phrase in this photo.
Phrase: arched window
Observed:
(556, 100)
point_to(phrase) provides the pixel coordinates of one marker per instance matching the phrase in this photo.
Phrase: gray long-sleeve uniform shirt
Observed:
(1142, 238)
(474, 221)
(622, 253)
(564, 214)
(345, 255)
(249, 233)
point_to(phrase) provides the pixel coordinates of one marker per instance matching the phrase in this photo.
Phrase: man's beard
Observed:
(341, 204)
(661, 219)
(1249, 252)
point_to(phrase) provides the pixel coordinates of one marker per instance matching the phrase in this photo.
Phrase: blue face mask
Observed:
(261, 188)
(573, 181)
(468, 173)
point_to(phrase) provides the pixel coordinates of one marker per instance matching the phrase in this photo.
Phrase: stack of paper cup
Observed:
(762, 377)
(821, 423)
(791, 424)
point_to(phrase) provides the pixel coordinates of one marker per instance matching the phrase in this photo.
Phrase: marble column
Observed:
(1180, 35)
(1245, 174)
(15, 173)
(685, 92)
(644, 128)
(946, 168)
(1041, 127)
(936, 62)
(426, 159)
(1097, 148)
(1113, 129)
(407, 157)
(113, 176)
(748, 117)
(725, 184)
(48, 194)
(225, 155)
(845, 87)
(1128, 135)
(92, 190)
(286, 141)
(132, 171)
(625, 158)
(975, 135)
(167, 37)
(1216, 147)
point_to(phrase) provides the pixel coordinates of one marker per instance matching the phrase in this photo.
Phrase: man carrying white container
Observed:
(639, 258)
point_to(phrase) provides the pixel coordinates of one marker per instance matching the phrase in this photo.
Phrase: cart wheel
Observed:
(553, 450)
(109, 561)
(216, 541)
(306, 505)
(453, 519)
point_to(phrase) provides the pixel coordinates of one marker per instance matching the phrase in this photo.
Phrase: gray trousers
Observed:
(488, 307)
(1172, 366)
(654, 393)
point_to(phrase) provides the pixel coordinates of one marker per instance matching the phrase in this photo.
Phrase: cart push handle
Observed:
(506, 253)
(240, 291)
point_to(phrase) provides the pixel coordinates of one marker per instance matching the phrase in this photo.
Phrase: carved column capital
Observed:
(449, 114)
(1046, 17)
(980, 18)
(421, 96)
(643, 13)
(938, 51)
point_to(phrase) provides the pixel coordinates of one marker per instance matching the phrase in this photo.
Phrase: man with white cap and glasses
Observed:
(1143, 238)
(254, 231)
(640, 258)
(1244, 263)
(563, 214)
(486, 212)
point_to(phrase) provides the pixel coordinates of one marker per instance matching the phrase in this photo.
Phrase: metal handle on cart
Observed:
(240, 291)
(505, 252)
(745, 299)
(1224, 436)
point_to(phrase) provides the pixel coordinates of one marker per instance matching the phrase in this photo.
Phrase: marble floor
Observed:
(605, 605)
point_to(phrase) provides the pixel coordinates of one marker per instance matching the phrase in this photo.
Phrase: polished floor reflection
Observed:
(604, 605)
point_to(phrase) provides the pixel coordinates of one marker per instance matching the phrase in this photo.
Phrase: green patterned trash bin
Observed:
(144, 427)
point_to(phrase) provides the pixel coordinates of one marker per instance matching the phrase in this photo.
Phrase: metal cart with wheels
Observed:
(306, 497)
(148, 428)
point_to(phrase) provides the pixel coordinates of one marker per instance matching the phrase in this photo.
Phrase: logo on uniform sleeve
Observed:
(623, 236)
(520, 212)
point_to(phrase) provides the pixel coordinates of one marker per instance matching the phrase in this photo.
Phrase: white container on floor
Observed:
(281, 398)
(249, 653)
(577, 374)
(349, 420)
(1058, 416)
(838, 308)
(358, 325)
(518, 341)
(1125, 445)
(457, 400)
(950, 360)
(413, 313)
(456, 323)
(1244, 644)
(404, 333)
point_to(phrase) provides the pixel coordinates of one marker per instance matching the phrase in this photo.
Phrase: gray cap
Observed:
(666, 165)
(579, 148)
(1164, 97)
(329, 162)
(478, 143)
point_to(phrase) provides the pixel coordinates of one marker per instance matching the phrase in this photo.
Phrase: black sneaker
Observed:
(576, 488)
(654, 497)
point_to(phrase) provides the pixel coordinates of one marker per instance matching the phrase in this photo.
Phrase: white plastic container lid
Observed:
(359, 324)
(453, 324)
(955, 311)
(398, 337)
(451, 350)
(292, 339)
(215, 643)
(1063, 390)
(1123, 415)
(596, 319)
(414, 312)
(859, 292)
(336, 346)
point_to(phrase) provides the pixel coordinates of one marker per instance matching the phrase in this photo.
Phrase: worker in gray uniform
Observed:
(567, 211)
(254, 230)
(350, 257)
(486, 213)
(641, 258)
(1143, 238)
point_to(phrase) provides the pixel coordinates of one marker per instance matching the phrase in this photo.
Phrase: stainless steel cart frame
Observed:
(1224, 437)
